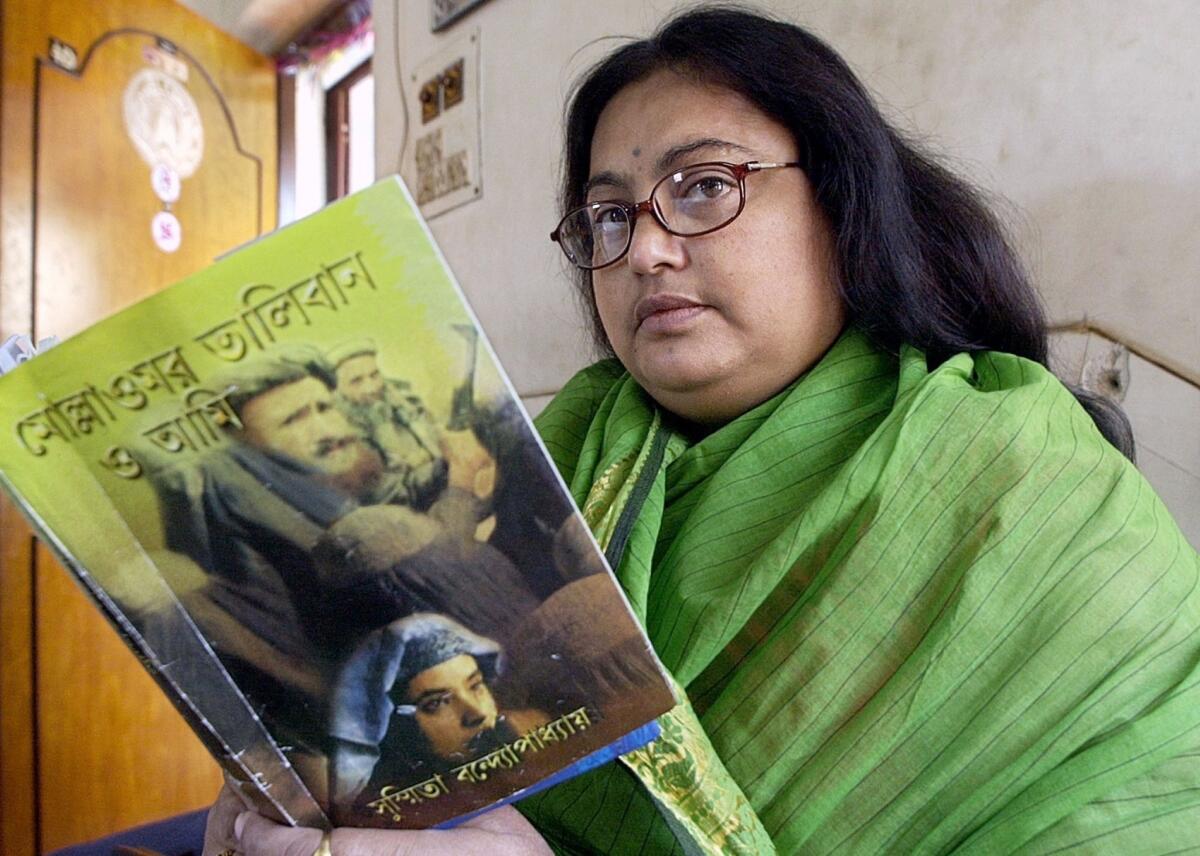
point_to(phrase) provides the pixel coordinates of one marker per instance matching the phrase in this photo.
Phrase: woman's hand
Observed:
(219, 837)
(501, 832)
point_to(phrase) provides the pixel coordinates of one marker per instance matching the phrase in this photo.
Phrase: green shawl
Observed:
(914, 611)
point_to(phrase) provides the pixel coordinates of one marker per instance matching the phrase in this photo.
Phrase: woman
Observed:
(917, 601)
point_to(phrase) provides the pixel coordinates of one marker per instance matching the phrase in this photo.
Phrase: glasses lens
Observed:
(594, 235)
(698, 199)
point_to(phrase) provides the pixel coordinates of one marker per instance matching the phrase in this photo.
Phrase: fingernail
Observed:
(239, 823)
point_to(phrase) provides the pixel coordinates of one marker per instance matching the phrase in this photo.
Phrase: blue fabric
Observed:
(181, 835)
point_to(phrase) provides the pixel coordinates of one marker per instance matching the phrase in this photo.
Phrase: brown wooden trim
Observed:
(3, 89)
(33, 202)
(15, 108)
(337, 135)
(31, 562)
(34, 717)
(18, 771)
(1167, 364)
(17, 802)
(337, 132)
(285, 133)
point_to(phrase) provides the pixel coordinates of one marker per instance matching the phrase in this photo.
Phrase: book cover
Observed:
(300, 486)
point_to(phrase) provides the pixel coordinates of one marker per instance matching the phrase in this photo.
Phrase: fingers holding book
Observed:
(500, 832)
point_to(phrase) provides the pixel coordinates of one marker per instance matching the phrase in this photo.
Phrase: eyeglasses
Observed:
(691, 201)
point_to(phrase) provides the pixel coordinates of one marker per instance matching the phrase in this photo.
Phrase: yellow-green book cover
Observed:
(300, 486)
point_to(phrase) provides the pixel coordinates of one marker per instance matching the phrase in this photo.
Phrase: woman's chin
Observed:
(679, 364)
(676, 381)
(696, 397)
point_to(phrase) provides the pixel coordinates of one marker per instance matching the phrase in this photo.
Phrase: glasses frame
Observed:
(634, 209)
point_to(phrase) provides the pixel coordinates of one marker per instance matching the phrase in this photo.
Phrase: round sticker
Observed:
(163, 121)
(166, 231)
(165, 182)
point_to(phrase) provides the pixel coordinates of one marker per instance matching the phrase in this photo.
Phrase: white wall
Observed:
(1084, 115)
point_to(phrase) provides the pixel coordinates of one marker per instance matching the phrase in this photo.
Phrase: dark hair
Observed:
(919, 257)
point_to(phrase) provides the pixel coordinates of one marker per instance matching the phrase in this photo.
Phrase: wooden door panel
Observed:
(112, 751)
(95, 252)
(89, 744)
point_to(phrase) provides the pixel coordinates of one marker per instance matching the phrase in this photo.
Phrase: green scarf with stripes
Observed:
(914, 611)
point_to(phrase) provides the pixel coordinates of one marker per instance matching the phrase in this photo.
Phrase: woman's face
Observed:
(712, 325)
(454, 705)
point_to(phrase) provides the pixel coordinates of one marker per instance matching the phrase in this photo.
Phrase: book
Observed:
(300, 486)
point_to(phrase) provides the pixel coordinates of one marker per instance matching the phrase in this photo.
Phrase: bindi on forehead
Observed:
(637, 152)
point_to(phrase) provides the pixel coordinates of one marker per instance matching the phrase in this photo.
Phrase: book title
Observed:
(204, 413)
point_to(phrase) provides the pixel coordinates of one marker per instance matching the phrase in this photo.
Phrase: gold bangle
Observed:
(325, 848)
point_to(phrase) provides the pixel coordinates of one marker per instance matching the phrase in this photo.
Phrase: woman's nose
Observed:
(472, 715)
(653, 249)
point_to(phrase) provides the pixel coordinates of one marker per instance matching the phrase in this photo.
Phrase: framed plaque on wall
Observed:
(443, 13)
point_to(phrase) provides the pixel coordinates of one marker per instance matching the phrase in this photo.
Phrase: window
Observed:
(326, 130)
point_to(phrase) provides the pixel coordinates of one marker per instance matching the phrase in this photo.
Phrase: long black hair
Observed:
(920, 258)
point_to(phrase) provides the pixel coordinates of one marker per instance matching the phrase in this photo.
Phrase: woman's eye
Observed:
(608, 216)
(707, 187)
(432, 704)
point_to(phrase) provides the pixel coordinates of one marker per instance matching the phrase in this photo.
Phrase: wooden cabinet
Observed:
(91, 94)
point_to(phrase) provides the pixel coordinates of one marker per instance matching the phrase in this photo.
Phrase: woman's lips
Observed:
(666, 313)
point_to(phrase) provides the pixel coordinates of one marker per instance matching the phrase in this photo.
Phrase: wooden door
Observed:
(88, 744)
